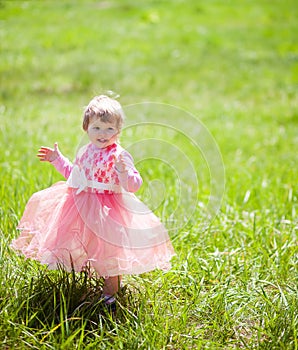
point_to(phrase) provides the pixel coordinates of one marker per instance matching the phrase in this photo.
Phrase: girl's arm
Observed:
(55, 157)
(130, 179)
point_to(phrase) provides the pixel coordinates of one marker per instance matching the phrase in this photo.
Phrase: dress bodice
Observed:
(99, 163)
(96, 168)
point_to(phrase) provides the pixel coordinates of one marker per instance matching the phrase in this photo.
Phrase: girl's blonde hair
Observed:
(107, 109)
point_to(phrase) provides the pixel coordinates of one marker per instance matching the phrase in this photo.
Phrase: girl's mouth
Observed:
(102, 140)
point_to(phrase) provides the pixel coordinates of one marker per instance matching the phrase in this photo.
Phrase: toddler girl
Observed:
(93, 220)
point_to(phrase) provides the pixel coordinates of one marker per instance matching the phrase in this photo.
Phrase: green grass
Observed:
(234, 67)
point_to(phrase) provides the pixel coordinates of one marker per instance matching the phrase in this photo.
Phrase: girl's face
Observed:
(102, 134)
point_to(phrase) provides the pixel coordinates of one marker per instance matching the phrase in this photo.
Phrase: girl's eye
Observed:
(108, 130)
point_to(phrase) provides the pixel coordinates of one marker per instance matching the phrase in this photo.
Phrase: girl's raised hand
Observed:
(46, 154)
(120, 164)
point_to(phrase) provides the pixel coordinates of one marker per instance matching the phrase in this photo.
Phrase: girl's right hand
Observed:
(46, 154)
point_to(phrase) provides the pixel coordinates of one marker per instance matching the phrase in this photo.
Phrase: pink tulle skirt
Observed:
(110, 234)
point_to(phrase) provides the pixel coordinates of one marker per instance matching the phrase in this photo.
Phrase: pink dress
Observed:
(94, 220)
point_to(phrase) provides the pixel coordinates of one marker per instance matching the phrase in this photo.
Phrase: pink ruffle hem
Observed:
(111, 234)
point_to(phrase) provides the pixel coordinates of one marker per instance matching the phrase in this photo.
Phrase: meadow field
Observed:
(210, 91)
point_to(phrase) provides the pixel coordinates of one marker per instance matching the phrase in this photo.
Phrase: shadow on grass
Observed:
(56, 299)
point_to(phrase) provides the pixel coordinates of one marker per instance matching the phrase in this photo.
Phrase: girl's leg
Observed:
(110, 288)
(112, 285)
